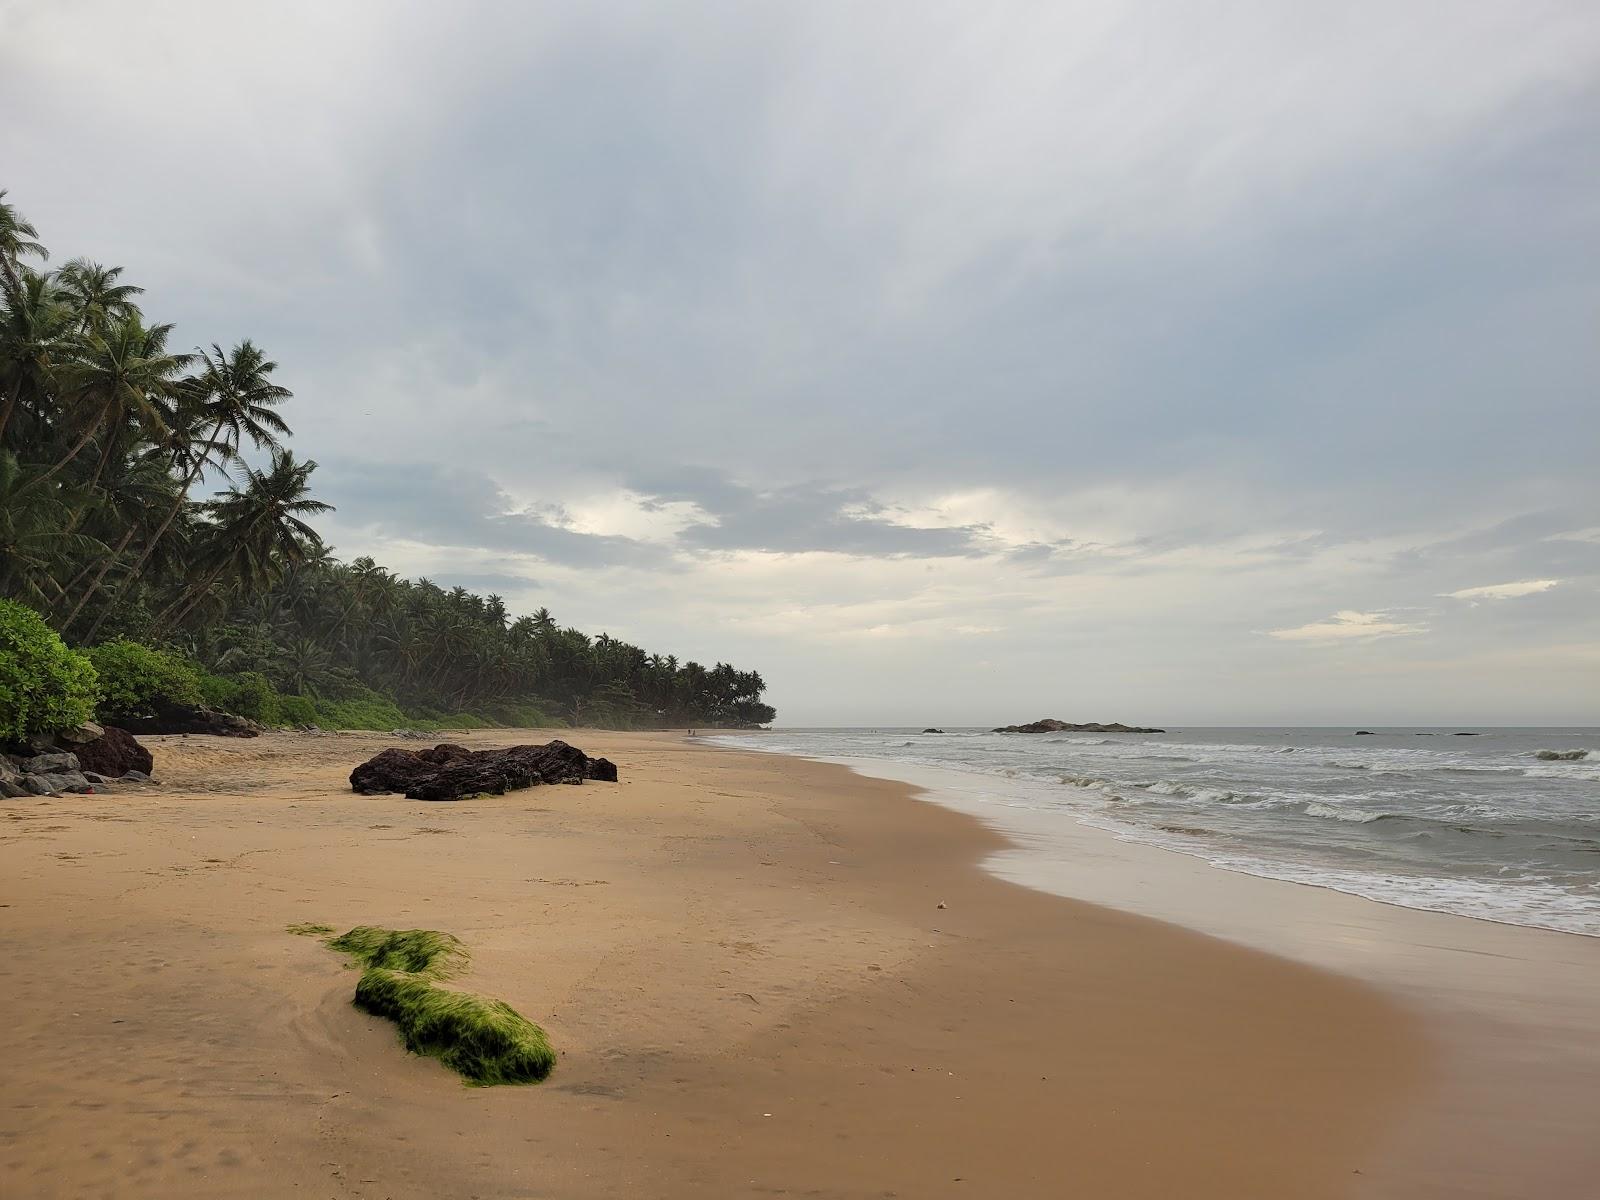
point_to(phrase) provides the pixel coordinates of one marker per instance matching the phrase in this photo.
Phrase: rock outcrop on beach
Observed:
(189, 718)
(1051, 725)
(73, 761)
(449, 772)
(114, 753)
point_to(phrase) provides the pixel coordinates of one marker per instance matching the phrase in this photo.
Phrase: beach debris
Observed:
(941, 904)
(449, 772)
(483, 1040)
(1051, 725)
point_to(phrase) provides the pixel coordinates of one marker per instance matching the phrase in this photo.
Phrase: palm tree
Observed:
(32, 544)
(236, 397)
(257, 529)
(17, 238)
(33, 325)
(95, 295)
(121, 383)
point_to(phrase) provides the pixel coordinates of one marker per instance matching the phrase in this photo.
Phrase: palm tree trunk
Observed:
(188, 599)
(94, 586)
(71, 454)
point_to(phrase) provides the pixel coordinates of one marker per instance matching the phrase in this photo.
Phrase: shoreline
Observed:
(1510, 1006)
(726, 934)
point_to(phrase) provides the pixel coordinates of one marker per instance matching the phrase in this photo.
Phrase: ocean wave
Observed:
(1562, 755)
(1359, 816)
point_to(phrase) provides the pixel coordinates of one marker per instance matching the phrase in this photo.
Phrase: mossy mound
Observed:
(308, 929)
(413, 951)
(485, 1041)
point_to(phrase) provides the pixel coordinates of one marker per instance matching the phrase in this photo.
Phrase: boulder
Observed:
(44, 764)
(449, 772)
(46, 783)
(933, 731)
(135, 777)
(1365, 733)
(396, 770)
(114, 753)
(11, 785)
(87, 732)
(1051, 725)
(188, 718)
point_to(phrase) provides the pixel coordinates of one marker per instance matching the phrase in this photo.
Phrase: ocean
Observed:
(1502, 825)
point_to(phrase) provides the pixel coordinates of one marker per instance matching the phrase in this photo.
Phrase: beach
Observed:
(764, 976)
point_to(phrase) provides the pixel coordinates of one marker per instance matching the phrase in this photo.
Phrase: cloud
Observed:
(1503, 591)
(1349, 625)
(821, 336)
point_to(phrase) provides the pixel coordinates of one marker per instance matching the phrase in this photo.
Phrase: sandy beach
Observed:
(765, 976)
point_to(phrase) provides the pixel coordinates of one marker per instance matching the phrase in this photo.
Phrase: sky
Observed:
(1179, 362)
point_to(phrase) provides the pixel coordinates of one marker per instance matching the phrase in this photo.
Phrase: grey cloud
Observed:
(455, 507)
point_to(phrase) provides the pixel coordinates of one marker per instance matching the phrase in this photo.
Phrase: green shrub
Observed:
(370, 711)
(248, 694)
(44, 687)
(297, 710)
(136, 679)
(256, 698)
(485, 1041)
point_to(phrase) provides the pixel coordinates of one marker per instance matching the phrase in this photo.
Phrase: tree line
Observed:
(111, 438)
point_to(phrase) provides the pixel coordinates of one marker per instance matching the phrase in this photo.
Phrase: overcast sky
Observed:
(949, 363)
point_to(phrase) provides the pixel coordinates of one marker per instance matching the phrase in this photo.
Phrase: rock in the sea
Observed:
(114, 753)
(448, 772)
(933, 731)
(1365, 733)
(188, 718)
(1051, 725)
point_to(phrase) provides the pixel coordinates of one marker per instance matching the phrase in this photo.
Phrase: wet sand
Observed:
(741, 958)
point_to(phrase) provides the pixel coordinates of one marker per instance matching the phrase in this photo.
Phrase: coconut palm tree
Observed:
(95, 295)
(257, 530)
(120, 385)
(17, 238)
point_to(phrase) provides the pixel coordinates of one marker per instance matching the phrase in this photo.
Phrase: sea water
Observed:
(1499, 824)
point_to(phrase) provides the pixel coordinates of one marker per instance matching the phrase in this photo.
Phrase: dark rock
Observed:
(933, 731)
(11, 785)
(134, 777)
(115, 753)
(95, 777)
(396, 770)
(1051, 725)
(46, 764)
(1365, 733)
(1466, 735)
(186, 718)
(448, 772)
(46, 783)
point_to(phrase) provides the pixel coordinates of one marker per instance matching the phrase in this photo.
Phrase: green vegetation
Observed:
(112, 446)
(137, 680)
(309, 929)
(483, 1040)
(44, 687)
